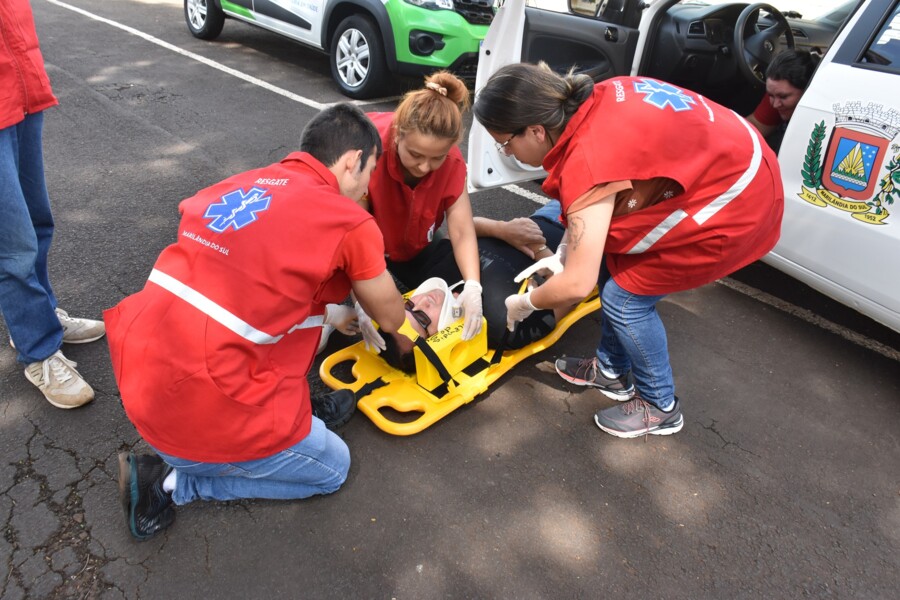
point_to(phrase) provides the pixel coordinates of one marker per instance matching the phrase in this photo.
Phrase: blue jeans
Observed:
(549, 211)
(317, 464)
(26, 228)
(633, 337)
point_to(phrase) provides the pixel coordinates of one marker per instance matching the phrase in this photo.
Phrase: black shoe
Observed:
(148, 508)
(586, 371)
(334, 408)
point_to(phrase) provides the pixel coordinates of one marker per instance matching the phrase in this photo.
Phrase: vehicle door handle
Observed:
(611, 34)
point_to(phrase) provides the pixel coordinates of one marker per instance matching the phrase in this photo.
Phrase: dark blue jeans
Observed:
(26, 229)
(633, 338)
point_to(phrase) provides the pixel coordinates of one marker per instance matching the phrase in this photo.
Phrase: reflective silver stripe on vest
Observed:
(740, 185)
(211, 309)
(713, 207)
(221, 315)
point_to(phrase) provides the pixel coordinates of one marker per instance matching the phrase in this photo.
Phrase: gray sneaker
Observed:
(61, 384)
(638, 417)
(586, 371)
(79, 331)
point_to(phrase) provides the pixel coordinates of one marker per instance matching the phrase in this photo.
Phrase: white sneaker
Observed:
(61, 384)
(79, 331)
(327, 330)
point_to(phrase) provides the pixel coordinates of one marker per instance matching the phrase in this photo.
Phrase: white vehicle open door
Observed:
(840, 164)
(502, 46)
(599, 37)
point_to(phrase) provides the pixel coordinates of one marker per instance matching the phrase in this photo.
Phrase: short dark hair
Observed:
(794, 66)
(340, 129)
(392, 355)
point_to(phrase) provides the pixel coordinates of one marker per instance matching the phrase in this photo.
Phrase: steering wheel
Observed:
(754, 49)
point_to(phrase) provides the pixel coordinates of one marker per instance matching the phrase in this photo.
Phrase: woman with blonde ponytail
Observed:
(662, 190)
(420, 178)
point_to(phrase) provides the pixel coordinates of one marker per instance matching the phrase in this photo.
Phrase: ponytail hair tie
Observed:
(437, 88)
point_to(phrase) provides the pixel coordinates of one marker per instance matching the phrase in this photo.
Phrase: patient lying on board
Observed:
(431, 309)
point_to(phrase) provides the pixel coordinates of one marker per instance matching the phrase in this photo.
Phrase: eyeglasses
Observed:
(502, 147)
(419, 315)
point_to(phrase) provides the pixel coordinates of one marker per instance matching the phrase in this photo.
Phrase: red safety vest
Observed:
(24, 85)
(408, 217)
(636, 128)
(212, 355)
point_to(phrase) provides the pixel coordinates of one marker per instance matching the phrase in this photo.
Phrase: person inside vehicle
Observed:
(786, 79)
(645, 223)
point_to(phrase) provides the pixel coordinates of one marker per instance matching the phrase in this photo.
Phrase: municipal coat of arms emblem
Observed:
(851, 178)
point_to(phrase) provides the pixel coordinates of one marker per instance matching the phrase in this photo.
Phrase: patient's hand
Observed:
(522, 233)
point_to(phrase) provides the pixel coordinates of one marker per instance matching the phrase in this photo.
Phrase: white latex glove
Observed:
(518, 306)
(343, 318)
(554, 264)
(470, 301)
(374, 341)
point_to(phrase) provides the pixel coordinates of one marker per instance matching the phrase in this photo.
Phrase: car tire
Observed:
(357, 58)
(204, 18)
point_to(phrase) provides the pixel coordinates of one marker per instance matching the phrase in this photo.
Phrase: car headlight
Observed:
(432, 4)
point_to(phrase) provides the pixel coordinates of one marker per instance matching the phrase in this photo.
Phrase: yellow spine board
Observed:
(411, 394)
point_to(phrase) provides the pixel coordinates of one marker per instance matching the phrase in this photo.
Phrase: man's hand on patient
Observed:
(343, 318)
(370, 334)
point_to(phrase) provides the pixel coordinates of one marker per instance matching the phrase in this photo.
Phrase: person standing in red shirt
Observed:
(420, 180)
(211, 357)
(37, 326)
(662, 190)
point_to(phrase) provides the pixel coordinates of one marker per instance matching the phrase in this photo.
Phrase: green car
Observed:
(367, 41)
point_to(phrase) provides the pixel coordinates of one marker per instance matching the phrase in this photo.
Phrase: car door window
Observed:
(885, 47)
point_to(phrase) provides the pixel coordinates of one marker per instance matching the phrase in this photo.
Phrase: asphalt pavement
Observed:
(784, 482)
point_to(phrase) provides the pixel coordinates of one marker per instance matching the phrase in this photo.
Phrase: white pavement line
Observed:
(209, 62)
(811, 317)
(520, 191)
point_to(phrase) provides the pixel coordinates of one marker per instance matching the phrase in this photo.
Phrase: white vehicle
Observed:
(840, 156)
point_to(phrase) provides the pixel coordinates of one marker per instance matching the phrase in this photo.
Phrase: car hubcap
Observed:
(352, 58)
(197, 13)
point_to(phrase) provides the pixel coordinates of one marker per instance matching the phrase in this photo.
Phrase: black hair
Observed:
(522, 94)
(340, 129)
(392, 355)
(794, 66)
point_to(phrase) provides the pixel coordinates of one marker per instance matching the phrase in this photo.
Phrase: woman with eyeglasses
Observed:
(419, 180)
(662, 190)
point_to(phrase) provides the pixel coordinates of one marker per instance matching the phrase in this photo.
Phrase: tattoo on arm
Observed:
(576, 231)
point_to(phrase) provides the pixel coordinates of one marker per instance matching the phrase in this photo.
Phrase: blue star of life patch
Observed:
(661, 94)
(237, 209)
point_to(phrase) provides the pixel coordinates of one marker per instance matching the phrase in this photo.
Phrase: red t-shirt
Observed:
(766, 114)
(409, 216)
(212, 355)
(729, 214)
